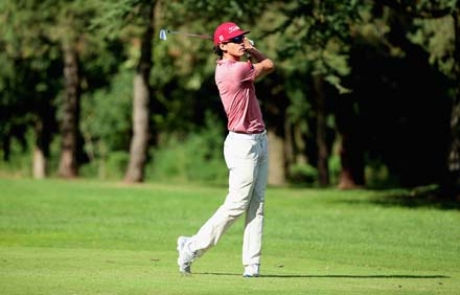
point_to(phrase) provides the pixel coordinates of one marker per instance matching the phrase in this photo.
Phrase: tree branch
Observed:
(418, 12)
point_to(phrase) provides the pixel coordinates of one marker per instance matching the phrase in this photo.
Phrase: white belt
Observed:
(254, 136)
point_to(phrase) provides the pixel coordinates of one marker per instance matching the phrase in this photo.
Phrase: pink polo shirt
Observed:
(235, 81)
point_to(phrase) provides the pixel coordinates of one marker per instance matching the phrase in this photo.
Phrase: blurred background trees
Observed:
(366, 93)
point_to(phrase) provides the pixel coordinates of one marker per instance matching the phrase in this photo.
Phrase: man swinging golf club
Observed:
(245, 151)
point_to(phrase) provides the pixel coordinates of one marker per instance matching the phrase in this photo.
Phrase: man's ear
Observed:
(223, 46)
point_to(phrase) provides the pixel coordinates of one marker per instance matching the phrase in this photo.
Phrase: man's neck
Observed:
(231, 57)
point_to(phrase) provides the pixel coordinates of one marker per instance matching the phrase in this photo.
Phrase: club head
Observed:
(163, 35)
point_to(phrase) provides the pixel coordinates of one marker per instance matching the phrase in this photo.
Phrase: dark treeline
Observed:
(366, 93)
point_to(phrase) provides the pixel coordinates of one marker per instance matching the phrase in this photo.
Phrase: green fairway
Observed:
(86, 237)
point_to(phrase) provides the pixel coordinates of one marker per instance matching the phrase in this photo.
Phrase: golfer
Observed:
(245, 151)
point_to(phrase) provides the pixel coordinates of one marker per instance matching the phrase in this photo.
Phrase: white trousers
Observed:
(246, 156)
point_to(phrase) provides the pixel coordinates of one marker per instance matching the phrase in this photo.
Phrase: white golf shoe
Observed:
(251, 271)
(186, 256)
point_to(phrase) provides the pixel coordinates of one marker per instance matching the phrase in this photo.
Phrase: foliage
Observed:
(106, 117)
(304, 38)
(316, 34)
(32, 35)
(436, 36)
(19, 159)
(303, 174)
(111, 167)
(197, 156)
(29, 58)
(423, 8)
(115, 16)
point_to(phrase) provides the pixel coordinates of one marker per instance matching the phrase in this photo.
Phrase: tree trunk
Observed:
(68, 166)
(141, 114)
(352, 163)
(351, 146)
(40, 158)
(44, 127)
(274, 110)
(39, 164)
(321, 132)
(277, 175)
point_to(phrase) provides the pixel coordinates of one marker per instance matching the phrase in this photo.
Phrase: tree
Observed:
(142, 93)
(68, 165)
(316, 37)
(31, 59)
(71, 21)
(53, 53)
(426, 10)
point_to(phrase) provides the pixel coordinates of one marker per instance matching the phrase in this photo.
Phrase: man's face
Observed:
(234, 47)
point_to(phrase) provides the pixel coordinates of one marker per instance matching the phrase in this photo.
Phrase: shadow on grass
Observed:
(414, 199)
(287, 276)
(422, 197)
(410, 201)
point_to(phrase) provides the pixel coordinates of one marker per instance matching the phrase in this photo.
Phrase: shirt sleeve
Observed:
(245, 72)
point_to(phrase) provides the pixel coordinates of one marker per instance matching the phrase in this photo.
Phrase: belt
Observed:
(248, 135)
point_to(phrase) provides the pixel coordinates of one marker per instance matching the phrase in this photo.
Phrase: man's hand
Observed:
(248, 44)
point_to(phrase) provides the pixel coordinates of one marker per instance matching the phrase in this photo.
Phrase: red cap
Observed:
(227, 31)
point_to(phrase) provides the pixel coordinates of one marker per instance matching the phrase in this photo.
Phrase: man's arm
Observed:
(263, 65)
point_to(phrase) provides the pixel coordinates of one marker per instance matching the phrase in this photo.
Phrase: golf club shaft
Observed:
(164, 32)
(191, 34)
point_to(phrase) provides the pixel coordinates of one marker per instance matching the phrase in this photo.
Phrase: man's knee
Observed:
(236, 209)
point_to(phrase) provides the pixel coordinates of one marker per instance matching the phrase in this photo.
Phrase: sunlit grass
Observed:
(88, 237)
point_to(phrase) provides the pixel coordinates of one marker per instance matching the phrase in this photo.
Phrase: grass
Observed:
(87, 237)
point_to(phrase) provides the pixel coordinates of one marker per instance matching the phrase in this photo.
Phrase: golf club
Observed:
(164, 32)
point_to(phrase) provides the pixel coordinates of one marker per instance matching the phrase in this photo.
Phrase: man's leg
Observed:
(253, 232)
(241, 163)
